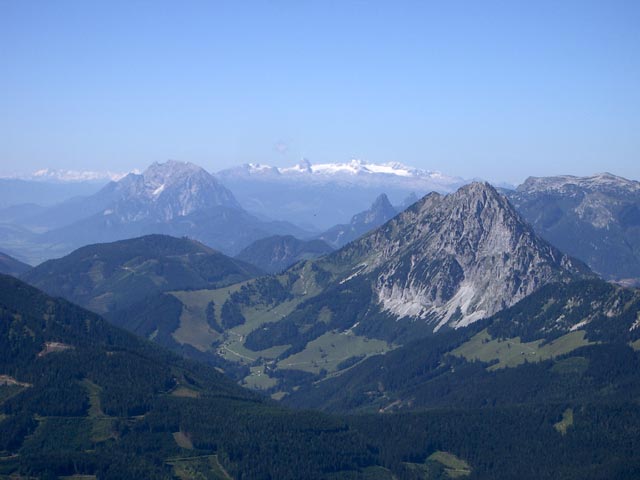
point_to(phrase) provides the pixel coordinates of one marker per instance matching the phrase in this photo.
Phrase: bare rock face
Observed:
(171, 198)
(595, 219)
(169, 190)
(457, 258)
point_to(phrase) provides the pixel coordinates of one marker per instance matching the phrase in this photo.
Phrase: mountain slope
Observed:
(159, 194)
(453, 259)
(162, 192)
(168, 190)
(380, 212)
(563, 343)
(274, 254)
(465, 255)
(111, 276)
(11, 266)
(173, 198)
(444, 263)
(595, 219)
(447, 261)
(79, 397)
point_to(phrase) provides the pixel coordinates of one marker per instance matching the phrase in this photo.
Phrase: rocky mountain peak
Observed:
(305, 166)
(454, 259)
(171, 170)
(381, 210)
(474, 196)
(381, 202)
(168, 190)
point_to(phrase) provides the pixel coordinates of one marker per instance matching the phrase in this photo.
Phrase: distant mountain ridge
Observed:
(180, 198)
(173, 198)
(12, 266)
(601, 182)
(275, 254)
(380, 211)
(323, 195)
(16, 192)
(595, 219)
(327, 172)
(159, 194)
(59, 175)
(165, 191)
(111, 276)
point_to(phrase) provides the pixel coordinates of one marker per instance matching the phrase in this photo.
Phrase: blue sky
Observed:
(499, 90)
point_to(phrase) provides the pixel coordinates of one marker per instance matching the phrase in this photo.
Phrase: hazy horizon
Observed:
(103, 176)
(499, 91)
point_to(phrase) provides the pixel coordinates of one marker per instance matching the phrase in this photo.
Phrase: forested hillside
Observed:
(79, 397)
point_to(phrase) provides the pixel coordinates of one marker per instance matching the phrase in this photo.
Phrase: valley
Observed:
(453, 311)
(344, 240)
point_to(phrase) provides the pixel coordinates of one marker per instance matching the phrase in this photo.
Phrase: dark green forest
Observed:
(84, 397)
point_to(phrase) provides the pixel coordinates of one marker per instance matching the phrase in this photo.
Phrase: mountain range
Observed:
(491, 352)
(444, 263)
(596, 219)
(319, 196)
(172, 198)
(79, 397)
(449, 259)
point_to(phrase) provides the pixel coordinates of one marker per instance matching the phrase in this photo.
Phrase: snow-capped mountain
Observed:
(69, 176)
(323, 195)
(377, 173)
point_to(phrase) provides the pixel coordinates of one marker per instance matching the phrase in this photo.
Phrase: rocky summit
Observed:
(171, 198)
(380, 211)
(165, 191)
(457, 258)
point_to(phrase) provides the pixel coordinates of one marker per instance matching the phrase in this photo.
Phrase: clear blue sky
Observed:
(499, 90)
